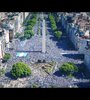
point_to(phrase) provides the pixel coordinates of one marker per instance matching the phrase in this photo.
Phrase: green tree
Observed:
(53, 22)
(58, 34)
(28, 34)
(29, 27)
(20, 69)
(6, 57)
(68, 68)
(17, 35)
(54, 27)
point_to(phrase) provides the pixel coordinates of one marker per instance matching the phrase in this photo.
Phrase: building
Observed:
(76, 29)
(2, 43)
(87, 55)
(10, 24)
(14, 23)
(77, 26)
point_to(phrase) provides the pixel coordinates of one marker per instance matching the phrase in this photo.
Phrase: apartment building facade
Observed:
(10, 24)
(77, 26)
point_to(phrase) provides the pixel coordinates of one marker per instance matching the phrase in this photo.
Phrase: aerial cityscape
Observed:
(44, 49)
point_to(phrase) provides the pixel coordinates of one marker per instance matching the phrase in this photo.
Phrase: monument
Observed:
(43, 35)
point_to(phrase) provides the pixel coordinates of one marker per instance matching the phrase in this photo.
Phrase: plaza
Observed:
(52, 50)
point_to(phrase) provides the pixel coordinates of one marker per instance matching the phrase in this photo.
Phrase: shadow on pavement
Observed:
(8, 74)
(83, 84)
(74, 56)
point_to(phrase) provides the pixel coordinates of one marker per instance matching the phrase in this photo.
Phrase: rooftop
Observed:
(7, 20)
(82, 20)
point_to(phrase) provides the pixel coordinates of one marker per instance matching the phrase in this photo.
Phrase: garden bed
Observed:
(47, 67)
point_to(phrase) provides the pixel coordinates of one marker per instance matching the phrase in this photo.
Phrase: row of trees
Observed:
(28, 33)
(58, 33)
